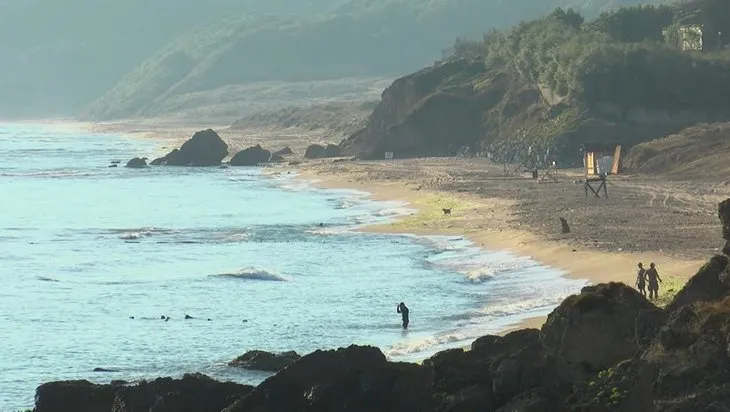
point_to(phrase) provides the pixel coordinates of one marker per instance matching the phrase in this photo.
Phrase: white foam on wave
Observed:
(480, 275)
(329, 231)
(135, 235)
(252, 273)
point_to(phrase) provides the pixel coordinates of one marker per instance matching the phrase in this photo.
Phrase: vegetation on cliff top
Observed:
(625, 58)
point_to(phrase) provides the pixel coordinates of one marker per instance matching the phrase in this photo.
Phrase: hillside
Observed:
(694, 153)
(549, 85)
(355, 39)
(60, 55)
(339, 119)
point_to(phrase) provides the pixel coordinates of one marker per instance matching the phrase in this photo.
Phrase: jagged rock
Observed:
(503, 367)
(265, 361)
(251, 156)
(691, 350)
(627, 386)
(205, 148)
(706, 285)
(277, 159)
(471, 398)
(137, 163)
(306, 382)
(74, 396)
(285, 151)
(315, 151)
(596, 328)
(714, 399)
(531, 401)
(647, 326)
(192, 393)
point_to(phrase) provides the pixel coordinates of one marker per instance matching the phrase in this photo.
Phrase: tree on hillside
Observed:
(635, 24)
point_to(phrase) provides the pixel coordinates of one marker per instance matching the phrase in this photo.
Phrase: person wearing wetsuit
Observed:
(653, 277)
(403, 310)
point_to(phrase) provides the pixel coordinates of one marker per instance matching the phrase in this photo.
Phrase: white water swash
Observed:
(84, 247)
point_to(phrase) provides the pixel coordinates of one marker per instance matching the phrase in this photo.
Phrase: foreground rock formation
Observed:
(205, 148)
(605, 349)
(193, 393)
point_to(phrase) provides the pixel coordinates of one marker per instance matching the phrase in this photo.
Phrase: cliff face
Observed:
(460, 106)
(432, 112)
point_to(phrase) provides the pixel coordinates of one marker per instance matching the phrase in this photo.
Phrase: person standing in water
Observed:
(641, 279)
(653, 277)
(403, 310)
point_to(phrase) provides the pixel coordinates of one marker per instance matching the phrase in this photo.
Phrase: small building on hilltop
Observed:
(601, 158)
(690, 38)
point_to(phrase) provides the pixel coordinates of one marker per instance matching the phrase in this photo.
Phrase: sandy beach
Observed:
(495, 223)
(645, 219)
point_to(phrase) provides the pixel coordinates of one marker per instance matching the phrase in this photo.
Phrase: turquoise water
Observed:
(84, 247)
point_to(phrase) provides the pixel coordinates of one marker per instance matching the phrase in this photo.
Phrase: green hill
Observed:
(552, 84)
(57, 56)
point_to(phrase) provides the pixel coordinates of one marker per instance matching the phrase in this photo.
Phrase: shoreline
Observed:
(589, 265)
(483, 224)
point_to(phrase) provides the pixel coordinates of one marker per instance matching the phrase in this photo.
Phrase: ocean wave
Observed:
(253, 274)
(416, 346)
(480, 275)
(395, 212)
(502, 309)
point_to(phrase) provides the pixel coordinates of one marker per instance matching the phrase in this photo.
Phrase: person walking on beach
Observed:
(653, 277)
(641, 279)
(403, 310)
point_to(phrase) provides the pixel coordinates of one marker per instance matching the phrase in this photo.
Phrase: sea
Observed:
(95, 259)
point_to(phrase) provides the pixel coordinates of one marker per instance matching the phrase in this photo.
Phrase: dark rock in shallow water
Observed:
(137, 163)
(283, 152)
(317, 151)
(314, 151)
(112, 165)
(104, 370)
(277, 159)
(251, 156)
(265, 361)
(205, 148)
(192, 393)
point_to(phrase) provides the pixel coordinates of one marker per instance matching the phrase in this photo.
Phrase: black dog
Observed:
(447, 212)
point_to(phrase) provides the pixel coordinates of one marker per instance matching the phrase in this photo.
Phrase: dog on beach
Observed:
(447, 212)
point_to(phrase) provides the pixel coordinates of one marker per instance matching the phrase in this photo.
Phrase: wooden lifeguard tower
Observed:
(599, 161)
